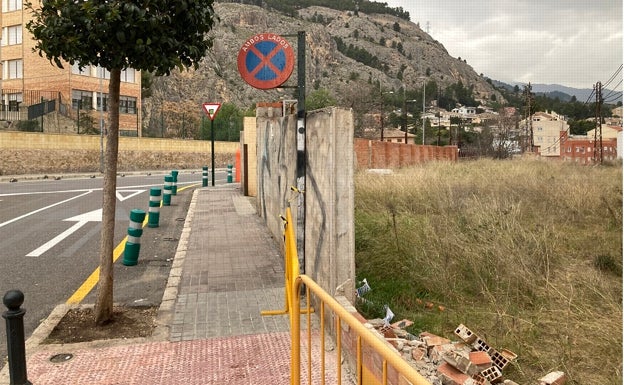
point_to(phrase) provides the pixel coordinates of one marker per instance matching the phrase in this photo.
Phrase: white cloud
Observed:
(575, 43)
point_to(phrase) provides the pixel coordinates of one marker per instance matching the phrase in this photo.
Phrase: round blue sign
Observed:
(266, 61)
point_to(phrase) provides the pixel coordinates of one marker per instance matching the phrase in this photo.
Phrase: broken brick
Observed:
(553, 378)
(418, 354)
(461, 362)
(465, 334)
(451, 376)
(481, 360)
(492, 373)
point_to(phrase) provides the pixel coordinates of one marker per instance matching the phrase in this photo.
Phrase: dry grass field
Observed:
(526, 253)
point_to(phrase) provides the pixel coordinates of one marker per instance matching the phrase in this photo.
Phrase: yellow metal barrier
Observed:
(291, 267)
(293, 283)
(364, 337)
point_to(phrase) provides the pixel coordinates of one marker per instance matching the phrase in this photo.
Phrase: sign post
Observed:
(211, 110)
(266, 61)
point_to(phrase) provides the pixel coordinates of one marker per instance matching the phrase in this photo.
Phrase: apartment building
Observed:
(28, 79)
(580, 148)
(547, 128)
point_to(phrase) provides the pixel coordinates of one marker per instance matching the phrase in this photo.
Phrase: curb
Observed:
(163, 317)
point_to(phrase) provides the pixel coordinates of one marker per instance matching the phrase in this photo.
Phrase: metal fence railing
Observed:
(394, 369)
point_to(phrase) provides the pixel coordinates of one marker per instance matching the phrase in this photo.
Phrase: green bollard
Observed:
(229, 173)
(167, 190)
(133, 243)
(174, 187)
(205, 176)
(154, 207)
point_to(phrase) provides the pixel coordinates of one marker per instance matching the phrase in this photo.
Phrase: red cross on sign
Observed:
(211, 109)
(266, 61)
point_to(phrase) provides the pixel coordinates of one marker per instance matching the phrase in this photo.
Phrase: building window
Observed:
(86, 70)
(82, 100)
(13, 69)
(101, 70)
(11, 5)
(11, 102)
(12, 35)
(127, 105)
(99, 102)
(569, 149)
(127, 75)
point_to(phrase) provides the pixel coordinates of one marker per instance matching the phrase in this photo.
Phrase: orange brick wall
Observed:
(376, 154)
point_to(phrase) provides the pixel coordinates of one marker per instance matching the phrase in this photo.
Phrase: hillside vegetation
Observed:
(527, 254)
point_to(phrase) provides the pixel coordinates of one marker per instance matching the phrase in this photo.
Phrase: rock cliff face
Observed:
(406, 54)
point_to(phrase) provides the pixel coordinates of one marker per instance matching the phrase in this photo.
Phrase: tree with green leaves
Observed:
(148, 35)
(319, 99)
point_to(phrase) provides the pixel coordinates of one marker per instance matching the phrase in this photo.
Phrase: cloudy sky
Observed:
(569, 42)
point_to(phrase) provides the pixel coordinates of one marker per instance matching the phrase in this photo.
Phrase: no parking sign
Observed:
(266, 61)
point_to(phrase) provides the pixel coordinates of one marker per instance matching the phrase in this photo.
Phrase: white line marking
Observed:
(92, 216)
(43, 208)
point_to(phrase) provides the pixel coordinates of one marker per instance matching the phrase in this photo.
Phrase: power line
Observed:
(613, 76)
(613, 95)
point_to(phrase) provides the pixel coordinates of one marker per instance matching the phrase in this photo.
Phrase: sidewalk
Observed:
(226, 270)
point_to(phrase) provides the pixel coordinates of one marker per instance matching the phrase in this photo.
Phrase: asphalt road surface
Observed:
(50, 235)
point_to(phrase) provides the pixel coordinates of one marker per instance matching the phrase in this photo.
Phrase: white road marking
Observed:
(81, 220)
(43, 208)
(132, 193)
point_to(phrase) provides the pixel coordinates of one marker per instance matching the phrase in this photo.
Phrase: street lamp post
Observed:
(423, 113)
(406, 125)
(381, 118)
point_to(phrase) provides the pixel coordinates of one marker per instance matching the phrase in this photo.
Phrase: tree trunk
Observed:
(104, 301)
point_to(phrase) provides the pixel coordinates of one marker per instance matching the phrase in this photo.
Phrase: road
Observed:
(50, 235)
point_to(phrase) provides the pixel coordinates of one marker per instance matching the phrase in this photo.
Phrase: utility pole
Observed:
(598, 129)
(529, 125)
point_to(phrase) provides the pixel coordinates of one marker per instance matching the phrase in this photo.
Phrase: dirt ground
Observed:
(128, 322)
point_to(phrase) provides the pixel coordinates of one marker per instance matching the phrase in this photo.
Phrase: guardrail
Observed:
(394, 369)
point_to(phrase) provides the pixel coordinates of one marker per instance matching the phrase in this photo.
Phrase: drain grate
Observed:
(60, 358)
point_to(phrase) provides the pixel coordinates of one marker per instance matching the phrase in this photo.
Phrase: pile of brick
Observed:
(441, 361)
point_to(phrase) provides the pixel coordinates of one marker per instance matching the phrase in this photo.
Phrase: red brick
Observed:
(482, 360)
(451, 375)
(418, 354)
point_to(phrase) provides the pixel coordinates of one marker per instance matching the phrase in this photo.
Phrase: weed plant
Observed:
(526, 253)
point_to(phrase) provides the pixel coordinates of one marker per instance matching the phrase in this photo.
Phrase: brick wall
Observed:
(376, 154)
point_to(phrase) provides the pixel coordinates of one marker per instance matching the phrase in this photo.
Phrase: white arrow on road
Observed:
(81, 220)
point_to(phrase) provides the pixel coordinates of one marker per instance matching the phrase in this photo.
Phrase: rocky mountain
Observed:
(403, 56)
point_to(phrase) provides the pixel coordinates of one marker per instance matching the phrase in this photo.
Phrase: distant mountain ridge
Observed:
(581, 94)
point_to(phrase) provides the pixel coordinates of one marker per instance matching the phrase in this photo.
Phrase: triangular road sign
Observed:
(211, 109)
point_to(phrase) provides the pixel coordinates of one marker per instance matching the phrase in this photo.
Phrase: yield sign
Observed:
(211, 109)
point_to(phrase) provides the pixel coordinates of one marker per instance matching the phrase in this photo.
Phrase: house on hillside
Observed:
(397, 136)
(29, 80)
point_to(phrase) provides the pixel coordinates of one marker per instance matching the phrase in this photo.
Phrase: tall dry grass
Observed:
(526, 253)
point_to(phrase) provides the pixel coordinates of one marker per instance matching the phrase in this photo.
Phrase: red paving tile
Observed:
(251, 359)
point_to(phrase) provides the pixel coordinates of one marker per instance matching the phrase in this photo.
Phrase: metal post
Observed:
(212, 146)
(13, 300)
(423, 117)
(101, 120)
(301, 148)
